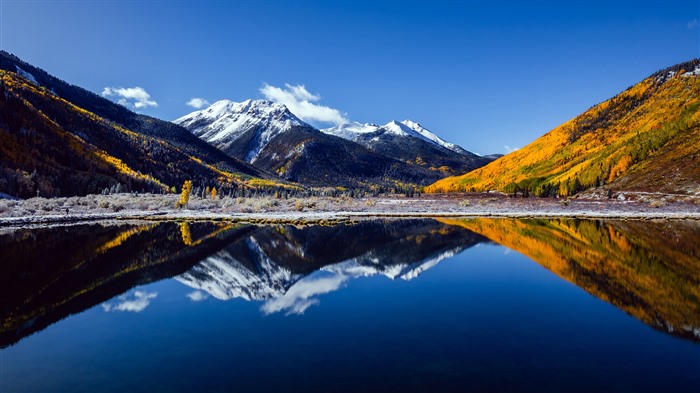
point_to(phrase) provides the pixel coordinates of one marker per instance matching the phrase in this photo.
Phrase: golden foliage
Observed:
(121, 167)
(185, 194)
(605, 143)
(620, 167)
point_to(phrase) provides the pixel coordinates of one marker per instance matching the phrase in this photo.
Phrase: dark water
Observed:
(403, 305)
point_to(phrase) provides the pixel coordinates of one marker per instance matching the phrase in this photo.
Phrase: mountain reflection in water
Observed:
(650, 270)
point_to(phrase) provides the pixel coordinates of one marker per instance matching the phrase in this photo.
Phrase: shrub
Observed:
(657, 203)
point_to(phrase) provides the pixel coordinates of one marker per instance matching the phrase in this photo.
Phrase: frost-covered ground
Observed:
(123, 206)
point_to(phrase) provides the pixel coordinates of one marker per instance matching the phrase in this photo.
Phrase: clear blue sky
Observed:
(482, 74)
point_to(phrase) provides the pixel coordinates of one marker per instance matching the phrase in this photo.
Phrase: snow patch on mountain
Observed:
(425, 133)
(225, 121)
(407, 128)
(24, 74)
(351, 131)
(694, 72)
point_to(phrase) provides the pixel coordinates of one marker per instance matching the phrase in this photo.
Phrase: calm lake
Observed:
(424, 305)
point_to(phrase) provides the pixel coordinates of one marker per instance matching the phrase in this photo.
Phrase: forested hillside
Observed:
(644, 139)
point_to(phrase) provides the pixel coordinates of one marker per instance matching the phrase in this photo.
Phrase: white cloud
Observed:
(138, 302)
(510, 149)
(197, 103)
(197, 296)
(303, 104)
(693, 24)
(135, 97)
(303, 294)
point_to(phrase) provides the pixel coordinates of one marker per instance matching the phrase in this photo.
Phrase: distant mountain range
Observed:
(270, 137)
(646, 139)
(410, 142)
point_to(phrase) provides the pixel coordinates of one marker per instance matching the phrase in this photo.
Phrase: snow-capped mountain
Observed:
(407, 128)
(225, 122)
(410, 142)
(271, 138)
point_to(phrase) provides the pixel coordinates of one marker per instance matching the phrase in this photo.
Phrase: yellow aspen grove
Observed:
(213, 193)
(185, 194)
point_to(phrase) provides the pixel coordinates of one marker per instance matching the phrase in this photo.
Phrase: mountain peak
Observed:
(225, 121)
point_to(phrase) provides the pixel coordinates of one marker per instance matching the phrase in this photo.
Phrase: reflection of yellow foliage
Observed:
(122, 237)
(631, 264)
(185, 233)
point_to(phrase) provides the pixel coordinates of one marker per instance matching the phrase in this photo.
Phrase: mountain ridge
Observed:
(119, 114)
(53, 147)
(273, 139)
(408, 141)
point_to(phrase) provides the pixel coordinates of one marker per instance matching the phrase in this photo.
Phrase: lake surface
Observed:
(393, 305)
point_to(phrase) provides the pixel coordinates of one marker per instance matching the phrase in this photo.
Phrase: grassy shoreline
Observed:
(326, 210)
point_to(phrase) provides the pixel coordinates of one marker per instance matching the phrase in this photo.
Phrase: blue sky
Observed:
(489, 76)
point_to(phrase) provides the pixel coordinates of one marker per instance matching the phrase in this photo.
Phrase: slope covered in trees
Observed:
(645, 139)
(146, 125)
(51, 147)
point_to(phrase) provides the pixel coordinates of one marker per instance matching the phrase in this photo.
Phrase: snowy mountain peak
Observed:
(350, 131)
(425, 133)
(225, 121)
(397, 128)
(407, 128)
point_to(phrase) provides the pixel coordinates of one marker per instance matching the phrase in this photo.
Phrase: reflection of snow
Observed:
(197, 296)
(224, 277)
(139, 301)
(302, 294)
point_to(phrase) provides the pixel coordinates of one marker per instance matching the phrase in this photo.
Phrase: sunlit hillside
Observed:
(647, 139)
